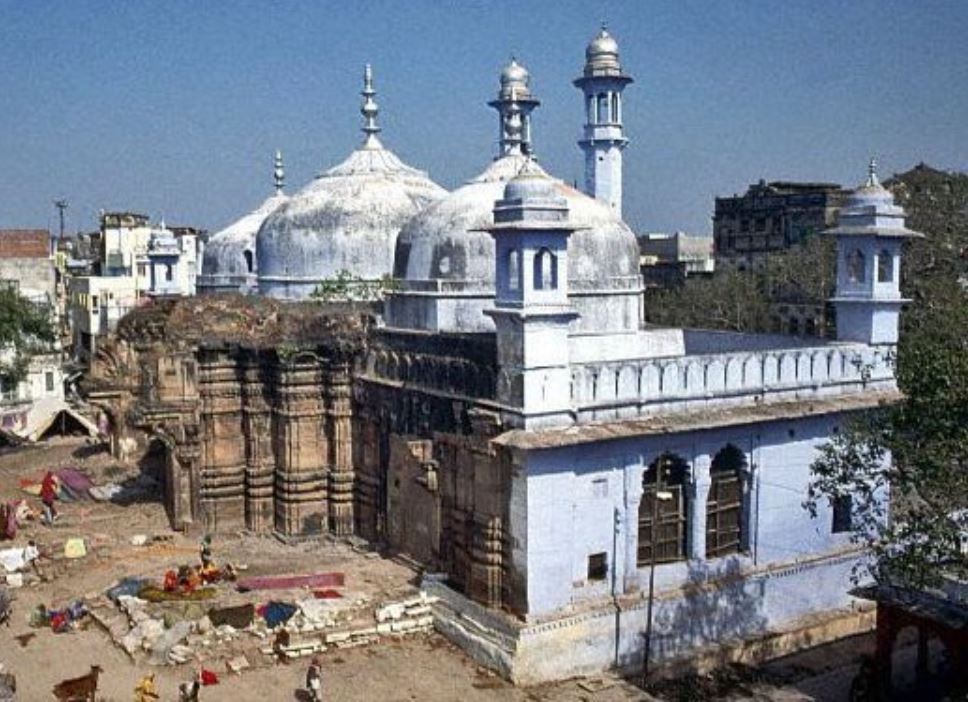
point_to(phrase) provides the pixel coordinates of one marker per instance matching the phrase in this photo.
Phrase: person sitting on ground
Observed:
(48, 494)
(279, 645)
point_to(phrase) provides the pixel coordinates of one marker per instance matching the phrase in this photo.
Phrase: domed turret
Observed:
(229, 263)
(347, 219)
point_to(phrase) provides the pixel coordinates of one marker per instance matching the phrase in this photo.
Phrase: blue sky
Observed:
(174, 108)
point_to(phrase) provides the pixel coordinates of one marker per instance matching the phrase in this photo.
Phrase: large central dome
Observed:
(347, 219)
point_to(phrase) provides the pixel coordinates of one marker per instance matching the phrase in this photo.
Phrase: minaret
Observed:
(369, 110)
(279, 173)
(532, 313)
(870, 232)
(602, 83)
(514, 105)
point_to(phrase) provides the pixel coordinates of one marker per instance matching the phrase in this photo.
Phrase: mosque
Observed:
(579, 487)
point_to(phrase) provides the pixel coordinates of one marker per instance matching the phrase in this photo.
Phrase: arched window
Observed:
(247, 254)
(885, 267)
(663, 511)
(793, 326)
(603, 108)
(514, 269)
(855, 266)
(545, 270)
(724, 506)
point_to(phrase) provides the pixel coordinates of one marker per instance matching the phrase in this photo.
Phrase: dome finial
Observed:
(278, 173)
(872, 181)
(369, 110)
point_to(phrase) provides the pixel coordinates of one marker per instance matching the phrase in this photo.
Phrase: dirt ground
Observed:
(419, 667)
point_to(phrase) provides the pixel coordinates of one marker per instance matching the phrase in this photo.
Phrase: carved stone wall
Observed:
(381, 434)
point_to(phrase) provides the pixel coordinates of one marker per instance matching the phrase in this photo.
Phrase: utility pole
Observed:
(664, 496)
(61, 206)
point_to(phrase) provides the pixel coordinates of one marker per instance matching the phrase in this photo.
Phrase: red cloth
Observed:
(209, 678)
(48, 489)
(326, 595)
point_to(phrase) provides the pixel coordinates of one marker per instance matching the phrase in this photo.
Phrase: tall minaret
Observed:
(514, 105)
(369, 110)
(870, 231)
(602, 82)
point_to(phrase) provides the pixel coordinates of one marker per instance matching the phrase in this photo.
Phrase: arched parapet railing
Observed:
(724, 378)
(714, 376)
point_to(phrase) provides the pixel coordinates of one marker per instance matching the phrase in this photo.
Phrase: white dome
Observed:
(346, 219)
(446, 241)
(229, 261)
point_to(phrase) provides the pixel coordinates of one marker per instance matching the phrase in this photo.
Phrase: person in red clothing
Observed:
(48, 494)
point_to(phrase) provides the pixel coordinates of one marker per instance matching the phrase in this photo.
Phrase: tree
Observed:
(25, 328)
(743, 301)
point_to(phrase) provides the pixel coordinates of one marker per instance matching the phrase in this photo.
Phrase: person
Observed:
(146, 690)
(205, 552)
(188, 691)
(279, 645)
(314, 679)
(48, 494)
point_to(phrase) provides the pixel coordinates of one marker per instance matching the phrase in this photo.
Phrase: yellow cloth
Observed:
(146, 690)
(75, 548)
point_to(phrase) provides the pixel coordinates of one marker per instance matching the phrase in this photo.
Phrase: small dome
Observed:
(871, 193)
(601, 55)
(514, 72)
(228, 261)
(530, 186)
(515, 81)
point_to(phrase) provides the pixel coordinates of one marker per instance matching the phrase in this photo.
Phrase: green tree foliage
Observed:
(25, 328)
(346, 286)
(917, 451)
(742, 301)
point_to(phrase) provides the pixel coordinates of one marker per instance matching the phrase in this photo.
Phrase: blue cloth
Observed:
(277, 613)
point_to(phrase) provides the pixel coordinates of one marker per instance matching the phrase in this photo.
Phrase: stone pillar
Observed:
(486, 575)
(698, 495)
(257, 435)
(300, 474)
(222, 469)
(341, 471)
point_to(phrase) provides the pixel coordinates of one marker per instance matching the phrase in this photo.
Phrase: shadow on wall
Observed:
(719, 606)
(148, 484)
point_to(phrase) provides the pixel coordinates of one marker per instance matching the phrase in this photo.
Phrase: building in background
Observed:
(136, 261)
(771, 217)
(27, 265)
(666, 260)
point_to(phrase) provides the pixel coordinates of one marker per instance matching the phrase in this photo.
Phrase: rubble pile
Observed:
(172, 633)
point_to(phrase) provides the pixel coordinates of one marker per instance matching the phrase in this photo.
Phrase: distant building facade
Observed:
(771, 217)
(137, 260)
(666, 260)
(27, 265)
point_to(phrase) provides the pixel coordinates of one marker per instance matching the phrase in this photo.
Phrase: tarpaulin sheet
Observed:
(237, 617)
(286, 582)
